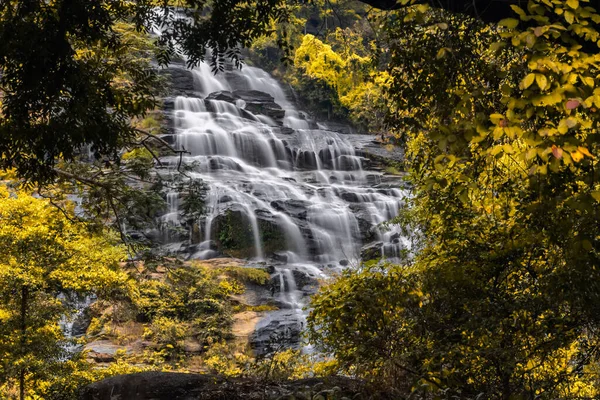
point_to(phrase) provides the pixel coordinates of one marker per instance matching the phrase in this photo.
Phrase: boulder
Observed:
(103, 351)
(292, 207)
(80, 323)
(235, 237)
(181, 81)
(182, 386)
(371, 251)
(281, 327)
(256, 102)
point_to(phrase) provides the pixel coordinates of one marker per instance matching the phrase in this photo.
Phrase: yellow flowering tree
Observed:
(344, 70)
(45, 259)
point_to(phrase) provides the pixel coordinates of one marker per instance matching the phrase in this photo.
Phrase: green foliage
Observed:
(188, 301)
(75, 62)
(278, 366)
(247, 275)
(365, 319)
(168, 333)
(77, 373)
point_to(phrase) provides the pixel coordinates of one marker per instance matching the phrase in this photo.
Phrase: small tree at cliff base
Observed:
(46, 259)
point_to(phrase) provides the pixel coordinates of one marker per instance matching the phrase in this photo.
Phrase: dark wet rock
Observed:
(339, 127)
(223, 96)
(225, 199)
(234, 235)
(371, 251)
(181, 81)
(255, 295)
(281, 327)
(81, 322)
(280, 256)
(286, 131)
(270, 269)
(137, 236)
(154, 235)
(344, 263)
(350, 197)
(373, 179)
(303, 279)
(365, 226)
(169, 104)
(183, 386)
(256, 102)
(292, 207)
(237, 81)
(306, 160)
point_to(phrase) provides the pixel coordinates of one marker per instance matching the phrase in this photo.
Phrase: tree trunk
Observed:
(24, 300)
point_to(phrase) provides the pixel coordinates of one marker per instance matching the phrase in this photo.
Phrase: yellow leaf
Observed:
(530, 40)
(538, 31)
(508, 149)
(531, 153)
(519, 11)
(585, 151)
(569, 17)
(596, 195)
(510, 23)
(496, 118)
(576, 156)
(541, 81)
(497, 46)
(528, 81)
(573, 3)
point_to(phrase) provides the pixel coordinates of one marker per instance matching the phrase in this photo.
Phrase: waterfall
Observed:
(296, 192)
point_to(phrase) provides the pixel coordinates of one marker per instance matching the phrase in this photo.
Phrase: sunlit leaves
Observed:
(44, 255)
(510, 23)
(516, 202)
(528, 81)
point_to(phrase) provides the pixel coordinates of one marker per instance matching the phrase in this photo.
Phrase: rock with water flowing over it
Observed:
(300, 195)
(254, 101)
(371, 251)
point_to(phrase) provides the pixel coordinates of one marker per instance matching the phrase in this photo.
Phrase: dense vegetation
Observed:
(500, 298)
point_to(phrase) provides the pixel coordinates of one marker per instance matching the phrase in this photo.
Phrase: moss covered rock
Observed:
(234, 235)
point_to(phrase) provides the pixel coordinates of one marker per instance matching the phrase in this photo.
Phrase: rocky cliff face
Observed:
(300, 197)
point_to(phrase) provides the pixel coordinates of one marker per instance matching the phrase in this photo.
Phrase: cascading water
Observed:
(282, 175)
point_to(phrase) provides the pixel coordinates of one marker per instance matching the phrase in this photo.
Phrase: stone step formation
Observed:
(303, 196)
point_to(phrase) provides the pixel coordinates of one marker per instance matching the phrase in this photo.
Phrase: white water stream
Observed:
(308, 182)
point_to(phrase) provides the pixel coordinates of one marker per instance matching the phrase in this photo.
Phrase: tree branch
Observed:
(486, 10)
